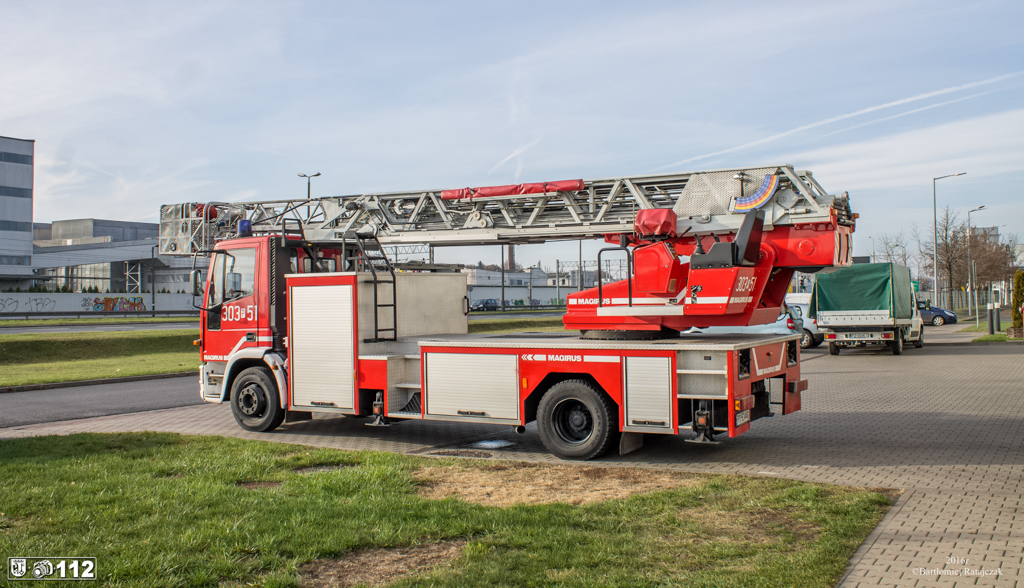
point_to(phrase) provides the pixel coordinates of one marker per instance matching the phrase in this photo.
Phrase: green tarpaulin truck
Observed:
(865, 304)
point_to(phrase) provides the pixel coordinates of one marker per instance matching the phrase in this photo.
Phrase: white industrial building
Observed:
(16, 183)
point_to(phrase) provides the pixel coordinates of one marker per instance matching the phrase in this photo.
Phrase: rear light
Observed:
(887, 335)
(830, 336)
(790, 324)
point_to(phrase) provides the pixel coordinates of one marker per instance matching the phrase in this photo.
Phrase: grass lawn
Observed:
(168, 510)
(65, 357)
(983, 327)
(96, 321)
(995, 337)
(506, 325)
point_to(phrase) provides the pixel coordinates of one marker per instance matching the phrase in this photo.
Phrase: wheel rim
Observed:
(805, 341)
(937, 321)
(252, 402)
(573, 422)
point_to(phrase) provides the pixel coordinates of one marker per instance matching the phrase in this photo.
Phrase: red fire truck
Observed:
(302, 312)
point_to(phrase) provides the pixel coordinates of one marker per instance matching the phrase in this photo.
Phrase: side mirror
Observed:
(195, 277)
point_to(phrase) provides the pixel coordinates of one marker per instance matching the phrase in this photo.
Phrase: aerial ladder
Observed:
(706, 248)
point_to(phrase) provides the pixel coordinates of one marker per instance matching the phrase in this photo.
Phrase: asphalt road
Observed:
(63, 404)
(98, 328)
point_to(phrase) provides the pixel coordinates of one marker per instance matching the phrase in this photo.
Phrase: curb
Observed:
(971, 343)
(78, 383)
(873, 537)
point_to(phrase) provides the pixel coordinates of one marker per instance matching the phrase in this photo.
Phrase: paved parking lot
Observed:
(943, 423)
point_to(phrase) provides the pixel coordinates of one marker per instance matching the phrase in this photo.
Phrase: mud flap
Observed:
(294, 416)
(630, 442)
(791, 398)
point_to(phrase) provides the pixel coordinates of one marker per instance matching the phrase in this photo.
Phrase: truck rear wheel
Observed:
(576, 421)
(833, 349)
(254, 400)
(897, 343)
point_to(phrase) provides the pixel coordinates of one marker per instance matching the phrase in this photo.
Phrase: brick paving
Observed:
(942, 423)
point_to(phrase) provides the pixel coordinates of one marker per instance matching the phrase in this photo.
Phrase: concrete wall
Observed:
(13, 303)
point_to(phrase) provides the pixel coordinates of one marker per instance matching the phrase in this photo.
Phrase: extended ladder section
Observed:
(705, 203)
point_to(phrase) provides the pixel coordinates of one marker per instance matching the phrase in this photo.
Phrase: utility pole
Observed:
(970, 274)
(308, 180)
(935, 229)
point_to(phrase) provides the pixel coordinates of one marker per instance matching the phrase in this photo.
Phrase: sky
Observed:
(137, 104)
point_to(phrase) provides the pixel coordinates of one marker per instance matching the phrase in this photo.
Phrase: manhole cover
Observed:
(462, 453)
(495, 444)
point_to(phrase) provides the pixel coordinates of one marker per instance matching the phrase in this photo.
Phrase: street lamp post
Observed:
(935, 233)
(308, 180)
(872, 248)
(971, 278)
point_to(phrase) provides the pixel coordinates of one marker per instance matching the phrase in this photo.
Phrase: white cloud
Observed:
(981, 146)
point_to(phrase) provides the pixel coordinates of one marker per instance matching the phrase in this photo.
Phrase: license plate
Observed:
(742, 418)
(858, 335)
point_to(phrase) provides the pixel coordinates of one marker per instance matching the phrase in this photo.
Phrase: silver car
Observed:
(812, 337)
(788, 323)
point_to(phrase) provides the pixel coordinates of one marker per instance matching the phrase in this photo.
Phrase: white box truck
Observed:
(867, 304)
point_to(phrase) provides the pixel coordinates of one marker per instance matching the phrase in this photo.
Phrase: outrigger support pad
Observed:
(379, 420)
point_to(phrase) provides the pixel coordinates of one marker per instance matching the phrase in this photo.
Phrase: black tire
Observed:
(818, 340)
(896, 345)
(938, 321)
(833, 349)
(920, 340)
(254, 400)
(806, 340)
(575, 421)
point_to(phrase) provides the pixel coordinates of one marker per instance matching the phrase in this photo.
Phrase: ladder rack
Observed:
(703, 202)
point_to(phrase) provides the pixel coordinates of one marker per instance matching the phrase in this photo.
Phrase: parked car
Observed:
(812, 336)
(933, 315)
(485, 304)
(788, 323)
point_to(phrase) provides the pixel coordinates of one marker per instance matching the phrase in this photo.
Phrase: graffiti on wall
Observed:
(35, 304)
(114, 303)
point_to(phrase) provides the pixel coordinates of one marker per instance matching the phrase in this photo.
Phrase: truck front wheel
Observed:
(254, 400)
(576, 421)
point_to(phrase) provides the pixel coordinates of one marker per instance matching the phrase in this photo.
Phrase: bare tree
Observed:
(994, 260)
(894, 248)
(952, 248)
(924, 246)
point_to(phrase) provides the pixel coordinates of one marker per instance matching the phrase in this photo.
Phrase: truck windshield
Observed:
(233, 276)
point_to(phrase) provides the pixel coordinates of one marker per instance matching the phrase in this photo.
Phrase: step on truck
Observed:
(302, 311)
(867, 304)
